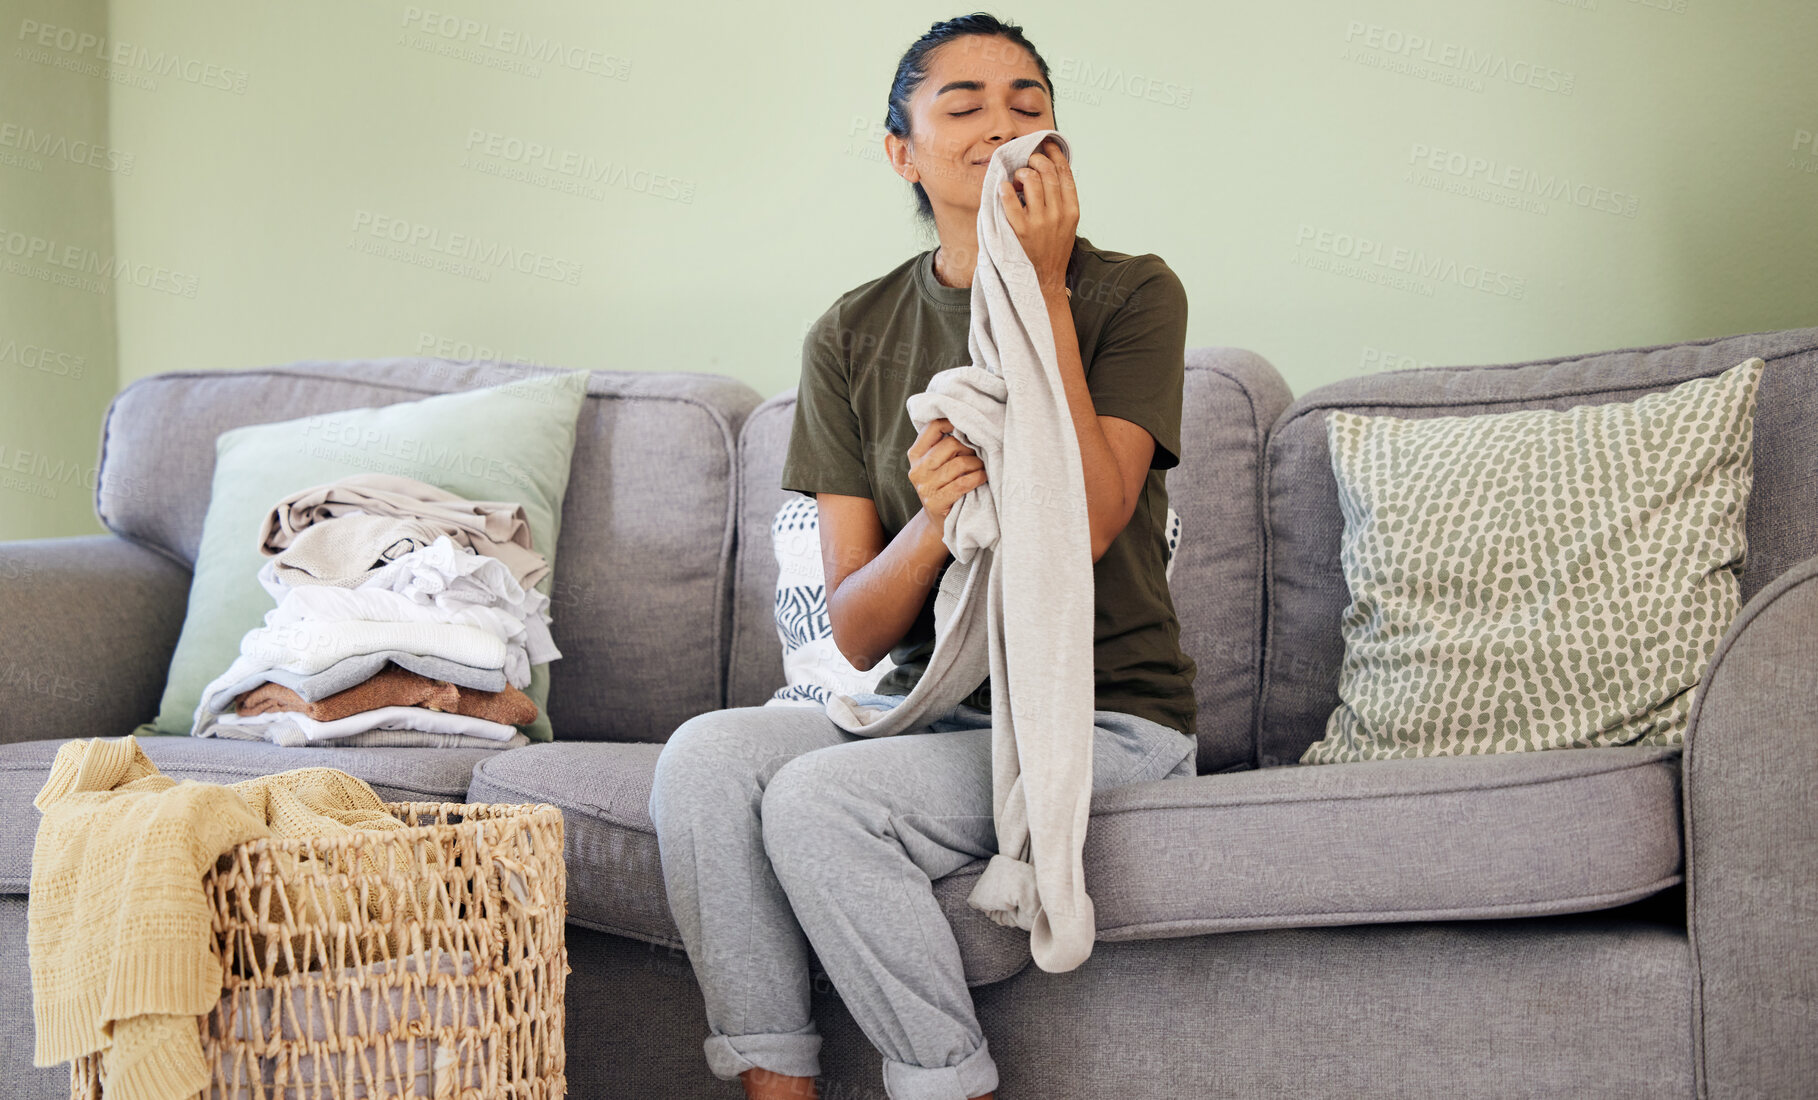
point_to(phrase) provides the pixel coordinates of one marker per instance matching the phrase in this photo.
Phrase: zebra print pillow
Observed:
(813, 664)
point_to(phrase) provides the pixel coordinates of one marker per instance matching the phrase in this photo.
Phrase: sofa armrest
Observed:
(87, 628)
(1751, 848)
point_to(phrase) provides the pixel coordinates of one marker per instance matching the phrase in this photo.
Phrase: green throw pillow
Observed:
(1540, 579)
(510, 442)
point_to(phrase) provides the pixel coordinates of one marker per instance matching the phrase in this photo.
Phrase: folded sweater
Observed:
(495, 528)
(349, 671)
(274, 725)
(392, 686)
(344, 551)
(1017, 541)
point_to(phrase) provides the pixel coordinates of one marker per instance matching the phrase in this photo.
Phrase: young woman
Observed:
(780, 831)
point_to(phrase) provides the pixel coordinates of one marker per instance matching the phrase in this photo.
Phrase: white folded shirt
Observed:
(325, 603)
(451, 578)
(309, 647)
(288, 735)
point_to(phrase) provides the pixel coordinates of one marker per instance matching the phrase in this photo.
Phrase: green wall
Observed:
(58, 165)
(1343, 187)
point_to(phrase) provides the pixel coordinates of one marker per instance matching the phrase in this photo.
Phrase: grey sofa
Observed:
(1621, 922)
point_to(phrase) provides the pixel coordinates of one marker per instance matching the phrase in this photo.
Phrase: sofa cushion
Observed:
(1419, 839)
(1307, 594)
(615, 873)
(1537, 579)
(1433, 838)
(1230, 398)
(398, 775)
(643, 563)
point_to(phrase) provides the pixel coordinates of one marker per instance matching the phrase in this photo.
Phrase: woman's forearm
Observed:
(877, 604)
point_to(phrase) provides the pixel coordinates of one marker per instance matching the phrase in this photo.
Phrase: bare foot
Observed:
(761, 1084)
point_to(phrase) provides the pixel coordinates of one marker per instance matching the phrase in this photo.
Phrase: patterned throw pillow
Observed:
(813, 664)
(1539, 579)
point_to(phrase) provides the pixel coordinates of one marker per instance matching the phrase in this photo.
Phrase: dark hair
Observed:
(912, 70)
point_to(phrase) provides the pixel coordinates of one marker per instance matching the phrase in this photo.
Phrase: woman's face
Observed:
(981, 91)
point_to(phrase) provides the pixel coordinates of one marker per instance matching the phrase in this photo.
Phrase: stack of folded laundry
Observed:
(406, 615)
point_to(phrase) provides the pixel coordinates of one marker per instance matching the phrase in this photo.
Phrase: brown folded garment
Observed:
(394, 686)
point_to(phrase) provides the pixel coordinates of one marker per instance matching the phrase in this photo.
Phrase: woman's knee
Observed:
(818, 799)
(800, 796)
(700, 750)
(794, 788)
(705, 732)
(725, 753)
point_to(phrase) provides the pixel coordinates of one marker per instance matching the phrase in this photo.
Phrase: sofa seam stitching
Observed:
(1569, 776)
(1334, 403)
(1397, 915)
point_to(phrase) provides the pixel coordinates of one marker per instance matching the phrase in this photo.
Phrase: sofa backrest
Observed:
(640, 595)
(1307, 591)
(1230, 398)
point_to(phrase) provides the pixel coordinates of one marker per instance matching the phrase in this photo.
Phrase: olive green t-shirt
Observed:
(881, 342)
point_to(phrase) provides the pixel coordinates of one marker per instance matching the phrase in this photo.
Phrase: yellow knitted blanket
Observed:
(122, 957)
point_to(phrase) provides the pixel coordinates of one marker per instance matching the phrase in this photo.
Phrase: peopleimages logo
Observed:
(38, 474)
(39, 358)
(1354, 251)
(1808, 142)
(465, 246)
(1380, 359)
(516, 43)
(329, 436)
(569, 169)
(60, 147)
(127, 55)
(1493, 173)
(1102, 78)
(1418, 49)
(84, 268)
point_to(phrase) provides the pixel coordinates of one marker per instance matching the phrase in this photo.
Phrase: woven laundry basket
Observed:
(420, 962)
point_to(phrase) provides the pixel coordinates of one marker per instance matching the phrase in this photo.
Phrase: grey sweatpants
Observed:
(778, 829)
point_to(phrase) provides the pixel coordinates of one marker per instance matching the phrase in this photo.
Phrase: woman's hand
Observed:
(942, 469)
(1046, 213)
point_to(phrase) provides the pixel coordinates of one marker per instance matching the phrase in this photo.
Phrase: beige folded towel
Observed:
(495, 528)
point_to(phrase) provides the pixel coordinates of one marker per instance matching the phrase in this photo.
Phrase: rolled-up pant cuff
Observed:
(975, 1075)
(790, 1053)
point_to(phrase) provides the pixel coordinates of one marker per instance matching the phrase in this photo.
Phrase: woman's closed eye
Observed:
(1019, 110)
